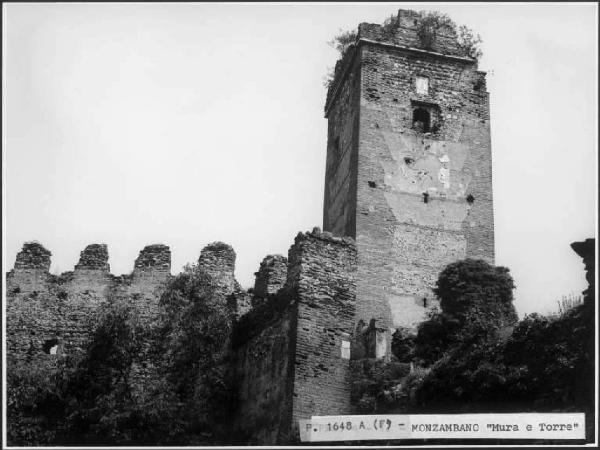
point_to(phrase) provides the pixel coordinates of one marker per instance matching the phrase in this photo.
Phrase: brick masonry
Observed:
(404, 238)
(291, 357)
(42, 307)
(270, 278)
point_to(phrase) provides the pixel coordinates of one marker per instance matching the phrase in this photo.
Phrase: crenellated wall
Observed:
(43, 308)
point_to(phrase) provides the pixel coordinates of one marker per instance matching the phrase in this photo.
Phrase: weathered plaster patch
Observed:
(405, 312)
(435, 166)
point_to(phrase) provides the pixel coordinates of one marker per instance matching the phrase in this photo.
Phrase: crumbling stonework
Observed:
(292, 351)
(151, 271)
(239, 302)
(42, 308)
(218, 260)
(416, 199)
(94, 256)
(46, 312)
(271, 277)
(30, 273)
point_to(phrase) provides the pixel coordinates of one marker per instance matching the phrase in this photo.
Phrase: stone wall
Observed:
(292, 350)
(322, 271)
(423, 197)
(339, 206)
(263, 348)
(151, 271)
(42, 307)
(271, 277)
(218, 260)
(30, 273)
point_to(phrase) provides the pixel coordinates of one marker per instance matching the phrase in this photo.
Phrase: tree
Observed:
(194, 339)
(164, 381)
(476, 303)
(35, 400)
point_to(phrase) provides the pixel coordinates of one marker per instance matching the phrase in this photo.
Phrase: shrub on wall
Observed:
(433, 23)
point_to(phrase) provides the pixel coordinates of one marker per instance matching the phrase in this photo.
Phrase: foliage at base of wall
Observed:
(163, 382)
(472, 357)
(379, 386)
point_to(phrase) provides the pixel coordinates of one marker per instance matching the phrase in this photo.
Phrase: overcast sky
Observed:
(183, 124)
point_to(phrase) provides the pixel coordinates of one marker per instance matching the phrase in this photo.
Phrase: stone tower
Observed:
(409, 166)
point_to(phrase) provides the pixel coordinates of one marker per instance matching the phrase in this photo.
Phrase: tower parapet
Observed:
(402, 34)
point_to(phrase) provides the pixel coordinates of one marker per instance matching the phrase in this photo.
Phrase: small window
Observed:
(50, 346)
(422, 85)
(421, 120)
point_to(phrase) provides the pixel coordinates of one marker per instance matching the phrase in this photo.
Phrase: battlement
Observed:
(404, 33)
(94, 256)
(33, 255)
(217, 256)
(270, 277)
(43, 307)
(155, 256)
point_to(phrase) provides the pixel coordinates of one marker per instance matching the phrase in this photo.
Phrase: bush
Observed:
(343, 41)
(476, 305)
(403, 345)
(374, 384)
(542, 366)
(35, 400)
(433, 22)
(474, 285)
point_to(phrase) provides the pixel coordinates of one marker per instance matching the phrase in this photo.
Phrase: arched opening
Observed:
(421, 120)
